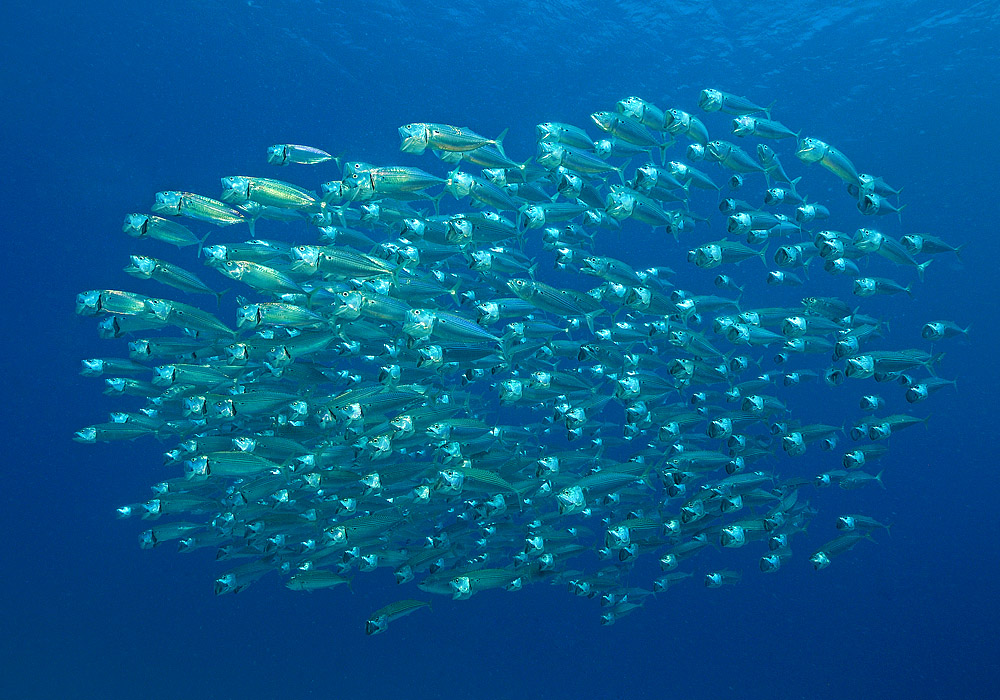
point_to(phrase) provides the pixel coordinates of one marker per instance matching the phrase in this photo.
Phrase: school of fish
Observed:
(399, 388)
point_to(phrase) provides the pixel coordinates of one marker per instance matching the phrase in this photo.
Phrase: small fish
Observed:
(417, 137)
(287, 153)
(712, 100)
(380, 619)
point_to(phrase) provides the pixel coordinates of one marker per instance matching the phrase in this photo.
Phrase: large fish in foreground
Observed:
(408, 388)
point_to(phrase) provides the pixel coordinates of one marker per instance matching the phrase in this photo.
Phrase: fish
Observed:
(712, 100)
(287, 153)
(812, 150)
(462, 375)
(380, 619)
(415, 138)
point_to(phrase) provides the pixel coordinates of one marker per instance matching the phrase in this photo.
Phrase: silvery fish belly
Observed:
(482, 387)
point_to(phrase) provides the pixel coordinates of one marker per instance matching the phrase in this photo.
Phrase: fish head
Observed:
(794, 444)
(164, 375)
(619, 203)
(765, 153)
(570, 185)
(733, 536)
(461, 588)
(865, 287)
(879, 431)
(820, 560)
(531, 217)
(167, 203)
(511, 390)
(738, 334)
(634, 107)
(695, 152)
(788, 256)
(459, 184)
(377, 624)
(481, 260)
(521, 287)
(717, 150)
(140, 266)
(604, 147)
(498, 176)
(770, 563)
(605, 121)
(739, 223)
(811, 150)
(237, 354)
(248, 315)
(571, 500)
(868, 240)
(720, 428)
(917, 393)
(912, 242)
(277, 155)
(708, 256)
(550, 155)
(136, 225)
(794, 326)
(548, 131)
(834, 376)
(935, 330)
(236, 189)
(419, 323)
(711, 100)
(738, 363)
(870, 204)
(753, 404)
(774, 196)
(744, 125)
(860, 367)
(866, 185)
(414, 138)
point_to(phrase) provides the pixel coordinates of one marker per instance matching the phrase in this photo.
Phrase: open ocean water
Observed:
(107, 103)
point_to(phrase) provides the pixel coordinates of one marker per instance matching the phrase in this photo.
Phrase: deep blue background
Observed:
(104, 106)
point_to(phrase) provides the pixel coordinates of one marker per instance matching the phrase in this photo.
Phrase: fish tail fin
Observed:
(899, 212)
(878, 478)
(201, 243)
(908, 289)
(958, 253)
(589, 318)
(251, 224)
(499, 141)
(921, 267)
(767, 110)
(218, 297)
(763, 251)
(663, 151)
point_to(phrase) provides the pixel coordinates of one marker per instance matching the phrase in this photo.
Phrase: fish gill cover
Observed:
(449, 373)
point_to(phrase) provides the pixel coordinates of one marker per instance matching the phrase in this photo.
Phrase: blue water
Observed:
(104, 106)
